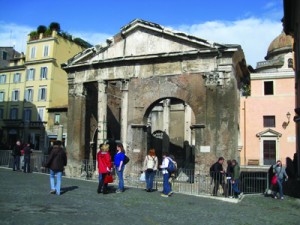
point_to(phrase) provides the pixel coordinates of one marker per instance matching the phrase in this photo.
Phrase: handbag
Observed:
(274, 180)
(143, 176)
(108, 178)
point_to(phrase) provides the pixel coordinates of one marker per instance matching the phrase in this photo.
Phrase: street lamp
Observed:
(285, 124)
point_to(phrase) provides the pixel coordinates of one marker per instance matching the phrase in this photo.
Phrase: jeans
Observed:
(279, 184)
(235, 187)
(26, 164)
(55, 185)
(166, 185)
(149, 175)
(16, 165)
(120, 176)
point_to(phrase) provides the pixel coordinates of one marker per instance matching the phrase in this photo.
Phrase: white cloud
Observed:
(253, 34)
(93, 38)
(14, 35)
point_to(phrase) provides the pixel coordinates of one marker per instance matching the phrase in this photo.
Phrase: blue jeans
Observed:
(120, 176)
(149, 175)
(55, 185)
(16, 165)
(166, 185)
(235, 187)
(279, 183)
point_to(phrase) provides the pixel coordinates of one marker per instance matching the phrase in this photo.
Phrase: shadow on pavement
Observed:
(63, 190)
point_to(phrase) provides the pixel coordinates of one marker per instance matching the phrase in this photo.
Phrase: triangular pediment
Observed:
(269, 133)
(142, 38)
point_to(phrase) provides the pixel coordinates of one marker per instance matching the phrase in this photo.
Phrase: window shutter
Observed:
(33, 74)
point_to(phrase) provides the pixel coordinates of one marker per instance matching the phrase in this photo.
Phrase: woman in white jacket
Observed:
(150, 168)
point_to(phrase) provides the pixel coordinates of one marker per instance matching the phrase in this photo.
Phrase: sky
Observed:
(253, 24)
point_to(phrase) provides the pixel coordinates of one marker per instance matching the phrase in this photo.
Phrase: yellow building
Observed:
(28, 88)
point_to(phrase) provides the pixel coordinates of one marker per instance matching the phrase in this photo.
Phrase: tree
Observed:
(54, 26)
(41, 29)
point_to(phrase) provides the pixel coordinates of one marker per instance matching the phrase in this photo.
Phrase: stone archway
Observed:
(169, 121)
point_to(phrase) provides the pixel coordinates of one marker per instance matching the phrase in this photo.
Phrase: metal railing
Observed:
(188, 181)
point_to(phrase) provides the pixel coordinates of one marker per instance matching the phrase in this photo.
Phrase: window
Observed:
(269, 152)
(2, 96)
(27, 115)
(1, 113)
(41, 114)
(43, 73)
(4, 55)
(290, 63)
(269, 121)
(42, 94)
(15, 95)
(13, 113)
(2, 79)
(268, 88)
(29, 94)
(17, 78)
(32, 52)
(30, 74)
(46, 51)
(57, 119)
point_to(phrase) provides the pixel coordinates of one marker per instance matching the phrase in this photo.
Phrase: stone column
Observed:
(187, 131)
(124, 113)
(102, 112)
(166, 125)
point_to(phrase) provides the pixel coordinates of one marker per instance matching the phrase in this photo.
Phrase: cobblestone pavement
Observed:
(25, 199)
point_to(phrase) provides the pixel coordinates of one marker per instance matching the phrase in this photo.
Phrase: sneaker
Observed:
(53, 192)
(281, 198)
(119, 191)
(170, 193)
(275, 197)
(163, 195)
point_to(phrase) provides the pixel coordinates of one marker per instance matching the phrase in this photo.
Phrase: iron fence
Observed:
(188, 181)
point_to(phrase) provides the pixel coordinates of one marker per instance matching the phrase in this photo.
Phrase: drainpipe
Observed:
(245, 133)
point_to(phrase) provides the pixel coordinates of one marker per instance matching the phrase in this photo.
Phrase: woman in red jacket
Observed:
(104, 167)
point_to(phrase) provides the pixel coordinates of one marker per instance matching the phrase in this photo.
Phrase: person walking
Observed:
(167, 191)
(56, 162)
(235, 179)
(104, 167)
(217, 174)
(27, 153)
(16, 153)
(120, 165)
(150, 168)
(280, 173)
(229, 173)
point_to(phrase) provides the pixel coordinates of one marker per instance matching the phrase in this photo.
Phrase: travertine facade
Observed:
(149, 86)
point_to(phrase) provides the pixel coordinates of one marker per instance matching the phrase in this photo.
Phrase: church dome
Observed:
(281, 44)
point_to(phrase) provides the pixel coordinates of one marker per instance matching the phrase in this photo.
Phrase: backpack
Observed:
(126, 159)
(172, 166)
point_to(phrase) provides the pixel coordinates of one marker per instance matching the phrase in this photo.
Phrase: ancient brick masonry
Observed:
(152, 87)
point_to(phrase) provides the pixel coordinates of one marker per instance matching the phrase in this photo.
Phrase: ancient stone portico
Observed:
(149, 86)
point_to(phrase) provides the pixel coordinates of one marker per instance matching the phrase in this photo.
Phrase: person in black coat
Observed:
(56, 162)
(27, 153)
(16, 153)
(218, 176)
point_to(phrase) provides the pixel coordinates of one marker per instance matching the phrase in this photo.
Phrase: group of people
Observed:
(17, 152)
(232, 175)
(150, 168)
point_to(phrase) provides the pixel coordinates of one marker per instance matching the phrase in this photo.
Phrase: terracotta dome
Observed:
(281, 44)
